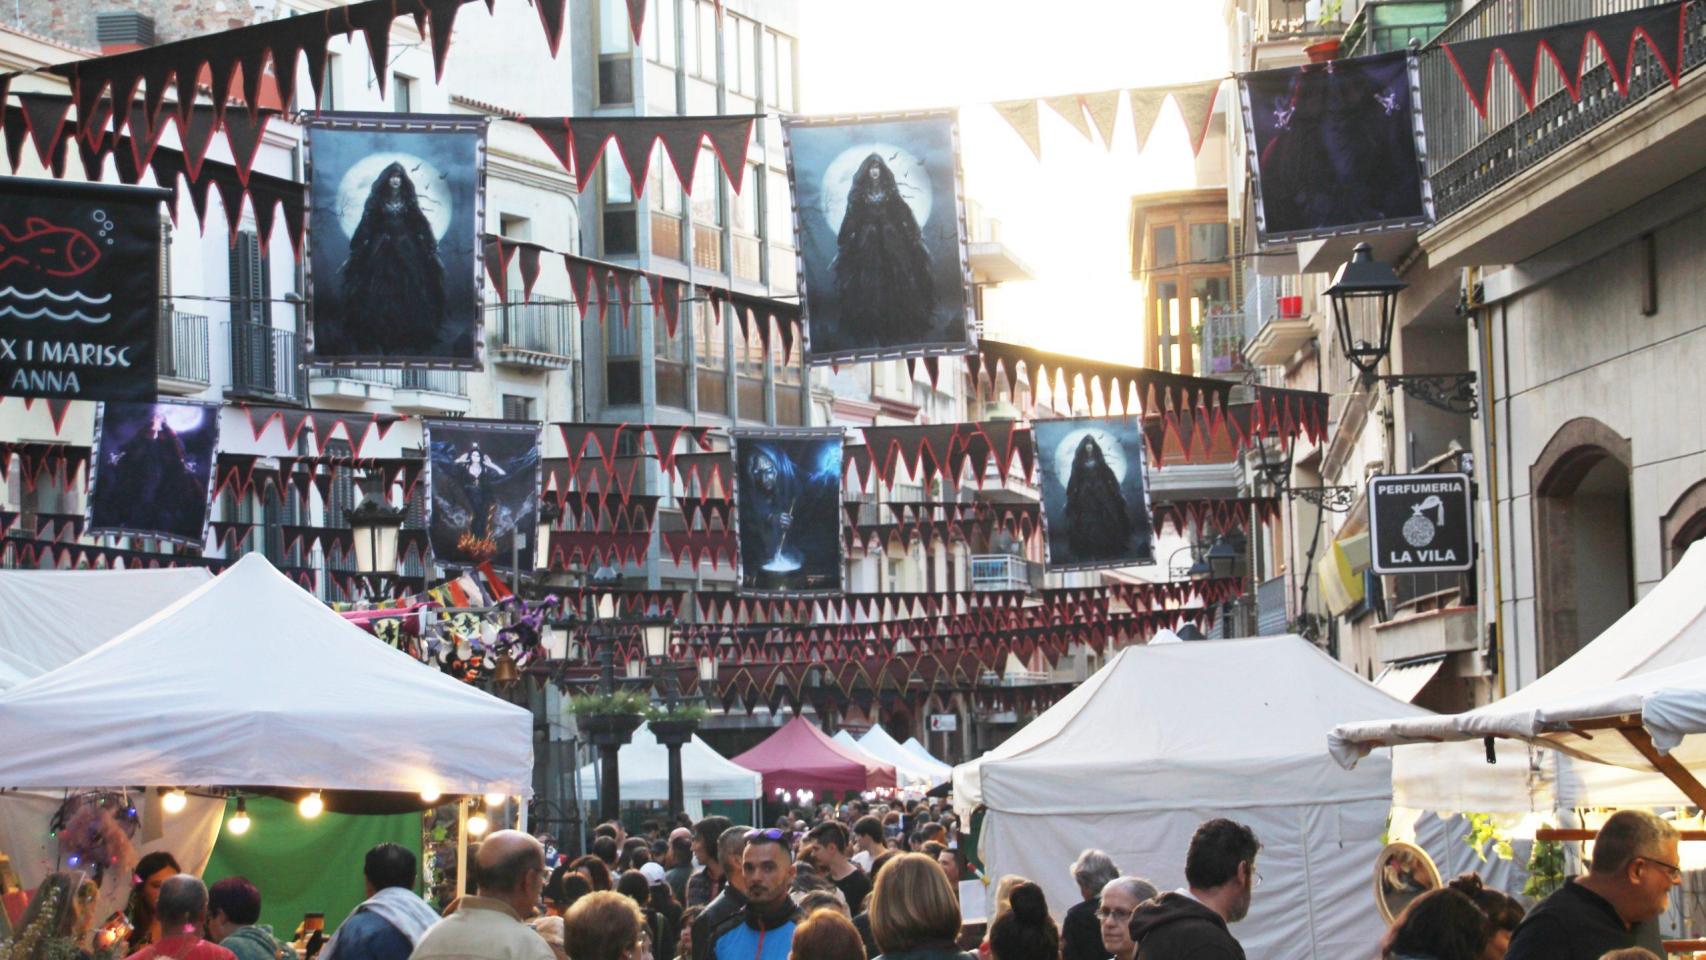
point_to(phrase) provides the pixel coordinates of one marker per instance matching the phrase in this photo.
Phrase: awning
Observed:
(1340, 572)
(1404, 680)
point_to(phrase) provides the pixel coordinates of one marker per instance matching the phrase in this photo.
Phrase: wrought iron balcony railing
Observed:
(266, 362)
(182, 352)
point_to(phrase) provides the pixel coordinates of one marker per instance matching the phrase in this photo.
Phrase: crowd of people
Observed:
(846, 886)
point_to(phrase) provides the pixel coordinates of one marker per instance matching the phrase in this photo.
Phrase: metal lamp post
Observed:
(375, 525)
(608, 731)
(672, 732)
(549, 514)
(1364, 296)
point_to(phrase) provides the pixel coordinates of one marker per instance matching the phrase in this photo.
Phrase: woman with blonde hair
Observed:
(914, 912)
(606, 926)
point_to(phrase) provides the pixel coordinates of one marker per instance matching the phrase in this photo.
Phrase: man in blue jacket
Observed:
(388, 924)
(764, 928)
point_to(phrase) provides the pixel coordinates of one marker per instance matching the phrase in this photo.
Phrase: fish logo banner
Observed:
(482, 489)
(1094, 492)
(79, 289)
(395, 207)
(788, 511)
(152, 475)
(879, 222)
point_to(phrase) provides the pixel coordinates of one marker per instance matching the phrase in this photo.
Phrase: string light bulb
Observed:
(311, 806)
(495, 799)
(239, 823)
(430, 795)
(477, 822)
(174, 801)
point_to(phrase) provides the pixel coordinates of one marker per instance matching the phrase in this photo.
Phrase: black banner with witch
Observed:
(393, 238)
(788, 511)
(152, 475)
(1336, 148)
(79, 289)
(483, 487)
(880, 226)
(1095, 498)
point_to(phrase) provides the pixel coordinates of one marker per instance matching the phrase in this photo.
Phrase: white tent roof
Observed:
(1137, 734)
(1666, 629)
(251, 681)
(705, 773)
(49, 618)
(917, 749)
(879, 744)
(907, 776)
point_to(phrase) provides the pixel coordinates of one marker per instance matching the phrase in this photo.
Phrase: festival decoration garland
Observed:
(1195, 100)
(580, 143)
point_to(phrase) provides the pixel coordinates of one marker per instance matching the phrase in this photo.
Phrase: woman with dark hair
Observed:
(1441, 924)
(393, 281)
(564, 888)
(1502, 911)
(1025, 931)
(595, 871)
(151, 871)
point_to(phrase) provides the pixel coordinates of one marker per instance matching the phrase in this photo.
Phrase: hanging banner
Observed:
(1095, 497)
(1421, 523)
(79, 289)
(152, 475)
(394, 238)
(1337, 148)
(482, 487)
(879, 222)
(788, 511)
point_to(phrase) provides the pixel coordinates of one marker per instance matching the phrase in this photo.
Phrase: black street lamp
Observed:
(1364, 296)
(375, 524)
(673, 729)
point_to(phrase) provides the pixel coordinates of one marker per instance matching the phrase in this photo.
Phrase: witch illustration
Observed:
(393, 280)
(767, 514)
(480, 495)
(882, 269)
(1098, 526)
(153, 484)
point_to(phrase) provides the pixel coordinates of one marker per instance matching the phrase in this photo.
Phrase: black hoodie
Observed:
(1176, 927)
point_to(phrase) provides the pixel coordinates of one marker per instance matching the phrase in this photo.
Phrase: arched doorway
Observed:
(1583, 546)
(1684, 524)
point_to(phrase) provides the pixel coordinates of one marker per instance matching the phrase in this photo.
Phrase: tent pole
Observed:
(521, 814)
(461, 848)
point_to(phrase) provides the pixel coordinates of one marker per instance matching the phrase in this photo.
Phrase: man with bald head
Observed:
(490, 925)
(182, 912)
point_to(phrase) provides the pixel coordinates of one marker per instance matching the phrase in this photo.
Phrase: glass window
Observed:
(781, 73)
(619, 340)
(614, 35)
(402, 93)
(709, 339)
(750, 351)
(779, 209)
(664, 188)
(618, 189)
(1213, 293)
(746, 201)
(660, 33)
(707, 65)
(707, 187)
(1163, 246)
(1208, 242)
(672, 346)
(738, 61)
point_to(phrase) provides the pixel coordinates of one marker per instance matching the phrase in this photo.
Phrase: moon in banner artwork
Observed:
(1112, 453)
(909, 175)
(428, 180)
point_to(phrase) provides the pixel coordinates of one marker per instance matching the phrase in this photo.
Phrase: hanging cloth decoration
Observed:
(1081, 111)
(1566, 45)
(579, 144)
(1155, 390)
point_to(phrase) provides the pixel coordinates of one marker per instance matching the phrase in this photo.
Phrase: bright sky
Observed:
(1067, 217)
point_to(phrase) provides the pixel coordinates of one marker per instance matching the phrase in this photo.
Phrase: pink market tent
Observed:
(799, 756)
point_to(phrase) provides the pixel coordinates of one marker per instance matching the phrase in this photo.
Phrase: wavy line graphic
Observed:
(48, 312)
(71, 297)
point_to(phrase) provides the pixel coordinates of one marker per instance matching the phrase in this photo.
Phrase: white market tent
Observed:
(907, 775)
(879, 744)
(1165, 737)
(1648, 664)
(935, 766)
(250, 681)
(705, 774)
(49, 618)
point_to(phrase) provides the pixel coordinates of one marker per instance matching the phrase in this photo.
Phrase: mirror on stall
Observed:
(1402, 872)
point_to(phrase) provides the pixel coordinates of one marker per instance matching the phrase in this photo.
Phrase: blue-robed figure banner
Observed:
(788, 511)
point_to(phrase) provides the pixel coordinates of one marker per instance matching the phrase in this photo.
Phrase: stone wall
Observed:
(72, 22)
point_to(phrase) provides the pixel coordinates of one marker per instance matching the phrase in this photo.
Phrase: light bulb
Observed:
(239, 822)
(311, 806)
(430, 795)
(174, 801)
(495, 799)
(477, 824)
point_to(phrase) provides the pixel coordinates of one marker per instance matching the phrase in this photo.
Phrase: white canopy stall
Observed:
(1165, 737)
(49, 618)
(705, 774)
(884, 747)
(918, 750)
(908, 773)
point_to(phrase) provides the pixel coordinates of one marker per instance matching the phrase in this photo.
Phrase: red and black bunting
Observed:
(602, 440)
(46, 527)
(693, 547)
(699, 512)
(1274, 413)
(596, 510)
(774, 317)
(938, 450)
(561, 480)
(45, 123)
(55, 461)
(874, 537)
(589, 549)
(56, 410)
(333, 541)
(628, 602)
(1130, 389)
(579, 143)
(1566, 45)
(32, 553)
(711, 474)
(228, 535)
(1222, 514)
(923, 450)
(356, 427)
(496, 253)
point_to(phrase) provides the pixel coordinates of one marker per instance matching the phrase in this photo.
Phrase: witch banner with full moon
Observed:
(788, 511)
(152, 473)
(879, 222)
(1094, 494)
(394, 238)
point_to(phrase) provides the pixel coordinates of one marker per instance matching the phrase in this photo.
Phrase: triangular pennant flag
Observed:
(1104, 110)
(551, 19)
(496, 255)
(1022, 115)
(441, 23)
(529, 268)
(374, 22)
(578, 277)
(44, 118)
(730, 137)
(1522, 59)
(1070, 109)
(681, 139)
(1473, 62)
(1196, 105)
(1145, 109)
(243, 131)
(554, 131)
(637, 17)
(587, 139)
(635, 141)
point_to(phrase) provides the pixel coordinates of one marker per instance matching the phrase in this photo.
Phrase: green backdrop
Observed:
(305, 866)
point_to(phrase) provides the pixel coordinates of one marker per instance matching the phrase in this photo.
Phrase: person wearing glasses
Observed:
(763, 929)
(1080, 938)
(1616, 904)
(1120, 899)
(1220, 876)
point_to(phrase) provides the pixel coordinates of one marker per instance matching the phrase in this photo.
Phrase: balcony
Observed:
(1382, 26)
(1223, 339)
(537, 334)
(265, 363)
(181, 358)
(1002, 571)
(1274, 317)
(429, 392)
(1568, 163)
(1277, 20)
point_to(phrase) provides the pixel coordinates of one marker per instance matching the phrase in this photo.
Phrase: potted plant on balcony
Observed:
(609, 719)
(675, 725)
